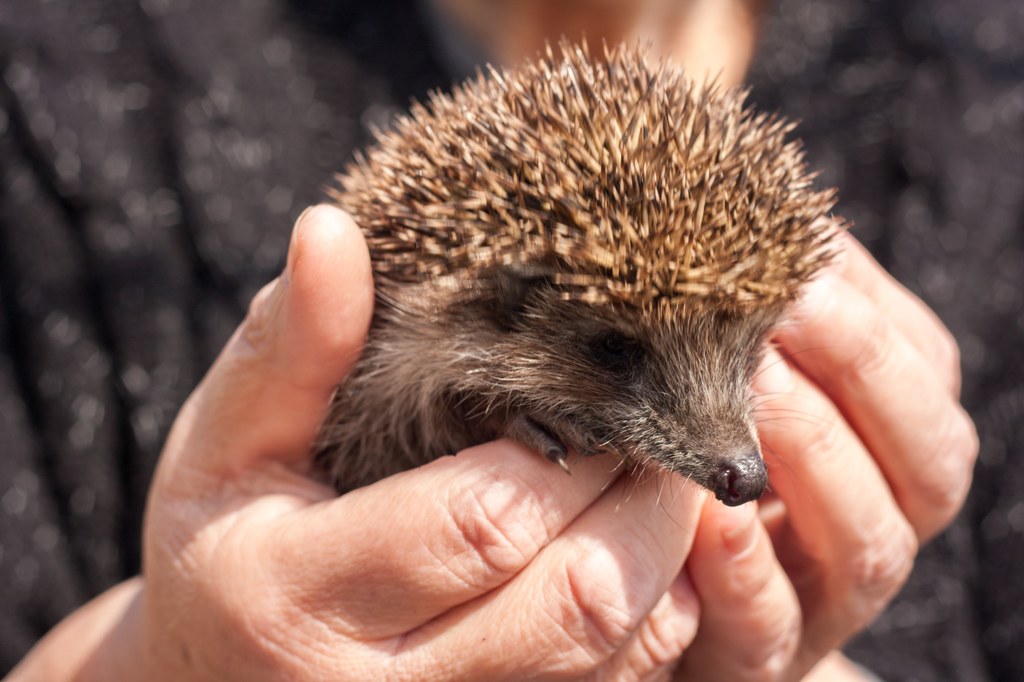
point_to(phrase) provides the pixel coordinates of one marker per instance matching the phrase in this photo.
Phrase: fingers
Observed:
(584, 596)
(461, 526)
(750, 624)
(895, 399)
(267, 392)
(845, 566)
(870, 423)
(914, 320)
(655, 646)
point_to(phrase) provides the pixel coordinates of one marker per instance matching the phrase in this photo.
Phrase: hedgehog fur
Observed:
(617, 185)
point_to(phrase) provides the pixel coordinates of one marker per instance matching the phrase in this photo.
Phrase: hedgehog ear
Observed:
(514, 285)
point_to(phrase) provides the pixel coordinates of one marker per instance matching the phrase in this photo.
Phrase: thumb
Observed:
(267, 393)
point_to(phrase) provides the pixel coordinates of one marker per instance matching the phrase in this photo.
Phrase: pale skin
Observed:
(493, 564)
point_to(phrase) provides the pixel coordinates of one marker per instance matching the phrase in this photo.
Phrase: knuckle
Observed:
(656, 648)
(821, 434)
(871, 355)
(659, 643)
(772, 638)
(748, 575)
(645, 658)
(494, 527)
(961, 438)
(947, 353)
(594, 623)
(881, 567)
(772, 661)
(944, 483)
(256, 326)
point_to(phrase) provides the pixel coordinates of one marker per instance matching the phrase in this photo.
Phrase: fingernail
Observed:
(293, 244)
(739, 528)
(306, 211)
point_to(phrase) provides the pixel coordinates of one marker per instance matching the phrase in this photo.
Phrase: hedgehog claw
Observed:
(533, 435)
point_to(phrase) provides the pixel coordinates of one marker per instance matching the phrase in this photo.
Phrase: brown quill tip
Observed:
(618, 178)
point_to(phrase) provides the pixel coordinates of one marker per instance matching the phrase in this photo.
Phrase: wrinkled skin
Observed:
(492, 565)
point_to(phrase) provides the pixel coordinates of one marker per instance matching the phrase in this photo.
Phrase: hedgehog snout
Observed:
(739, 480)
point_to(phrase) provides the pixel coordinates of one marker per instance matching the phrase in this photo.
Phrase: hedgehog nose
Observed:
(740, 480)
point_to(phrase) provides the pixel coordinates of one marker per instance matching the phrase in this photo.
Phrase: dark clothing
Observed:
(154, 154)
(915, 110)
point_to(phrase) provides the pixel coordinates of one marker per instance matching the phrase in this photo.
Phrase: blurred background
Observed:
(154, 153)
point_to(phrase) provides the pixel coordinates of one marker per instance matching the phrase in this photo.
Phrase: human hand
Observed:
(484, 566)
(490, 565)
(869, 454)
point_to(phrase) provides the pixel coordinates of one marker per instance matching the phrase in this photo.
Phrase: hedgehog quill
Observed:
(582, 255)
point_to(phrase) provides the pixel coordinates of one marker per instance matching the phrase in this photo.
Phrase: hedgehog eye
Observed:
(615, 351)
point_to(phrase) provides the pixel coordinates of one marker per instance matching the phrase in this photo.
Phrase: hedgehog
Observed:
(585, 255)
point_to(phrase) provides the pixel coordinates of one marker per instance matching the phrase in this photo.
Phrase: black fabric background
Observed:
(154, 153)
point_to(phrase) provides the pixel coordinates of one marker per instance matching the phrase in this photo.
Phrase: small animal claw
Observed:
(533, 435)
(559, 459)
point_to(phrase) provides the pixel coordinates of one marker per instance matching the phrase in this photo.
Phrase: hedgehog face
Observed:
(669, 392)
(580, 252)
